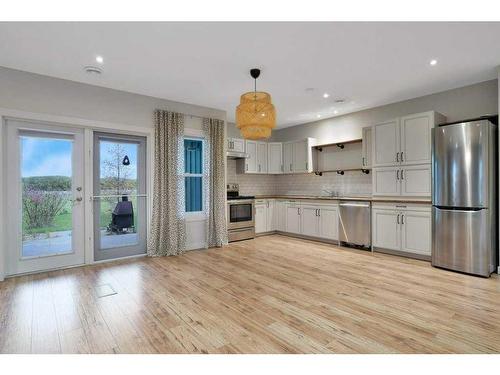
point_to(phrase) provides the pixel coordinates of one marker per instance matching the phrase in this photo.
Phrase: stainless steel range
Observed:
(240, 215)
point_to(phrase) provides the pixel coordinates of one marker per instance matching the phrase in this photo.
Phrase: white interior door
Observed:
(45, 193)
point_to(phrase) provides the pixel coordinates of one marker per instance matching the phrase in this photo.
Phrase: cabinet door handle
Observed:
(319, 212)
(402, 175)
(246, 167)
(402, 219)
(259, 167)
(397, 157)
(363, 161)
(290, 167)
(397, 220)
(307, 164)
(397, 174)
(298, 211)
(402, 156)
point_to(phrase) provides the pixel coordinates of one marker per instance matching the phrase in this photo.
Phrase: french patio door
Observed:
(45, 206)
(120, 201)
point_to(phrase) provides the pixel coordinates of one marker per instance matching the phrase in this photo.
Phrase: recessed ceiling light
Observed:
(326, 95)
(99, 59)
(433, 62)
(335, 112)
(318, 116)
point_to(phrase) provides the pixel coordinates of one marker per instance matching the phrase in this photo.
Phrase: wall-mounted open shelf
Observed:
(338, 144)
(341, 171)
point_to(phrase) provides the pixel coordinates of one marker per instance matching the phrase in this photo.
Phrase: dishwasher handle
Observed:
(365, 205)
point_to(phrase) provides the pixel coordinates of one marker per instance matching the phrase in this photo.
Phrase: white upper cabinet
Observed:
(275, 158)
(416, 180)
(236, 144)
(288, 157)
(297, 156)
(366, 148)
(416, 138)
(300, 156)
(251, 165)
(261, 157)
(405, 140)
(386, 181)
(386, 138)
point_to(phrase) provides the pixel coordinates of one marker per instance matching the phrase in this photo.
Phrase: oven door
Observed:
(240, 214)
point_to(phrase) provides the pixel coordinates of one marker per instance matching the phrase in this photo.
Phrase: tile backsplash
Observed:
(351, 183)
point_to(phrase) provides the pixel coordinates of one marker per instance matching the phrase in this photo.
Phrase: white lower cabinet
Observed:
(280, 215)
(313, 220)
(329, 222)
(309, 220)
(260, 217)
(265, 220)
(416, 234)
(402, 228)
(293, 217)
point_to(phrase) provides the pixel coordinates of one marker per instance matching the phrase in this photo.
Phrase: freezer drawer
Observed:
(461, 241)
(355, 223)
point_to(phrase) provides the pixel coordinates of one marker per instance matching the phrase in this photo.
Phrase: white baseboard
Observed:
(196, 246)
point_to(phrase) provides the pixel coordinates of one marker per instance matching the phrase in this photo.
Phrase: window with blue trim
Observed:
(193, 174)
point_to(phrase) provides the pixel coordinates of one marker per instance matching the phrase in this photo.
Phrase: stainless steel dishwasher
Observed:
(355, 223)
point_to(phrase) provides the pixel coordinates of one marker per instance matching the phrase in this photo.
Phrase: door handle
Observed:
(397, 157)
(246, 166)
(402, 219)
(402, 156)
(363, 161)
(402, 175)
(397, 220)
(290, 167)
(298, 211)
(319, 212)
(397, 174)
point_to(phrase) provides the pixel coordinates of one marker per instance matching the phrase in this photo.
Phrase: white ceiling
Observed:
(369, 64)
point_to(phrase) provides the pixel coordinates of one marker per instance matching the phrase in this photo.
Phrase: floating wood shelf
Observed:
(338, 144)
(341, 171)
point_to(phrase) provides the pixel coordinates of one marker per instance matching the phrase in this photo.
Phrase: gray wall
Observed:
(36, 93)
(457, 104)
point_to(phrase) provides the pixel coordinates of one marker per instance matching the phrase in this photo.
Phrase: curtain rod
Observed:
(202, 117)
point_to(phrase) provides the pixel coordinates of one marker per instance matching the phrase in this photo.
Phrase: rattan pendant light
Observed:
(255, 116)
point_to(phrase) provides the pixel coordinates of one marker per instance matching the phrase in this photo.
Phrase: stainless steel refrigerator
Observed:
(464, 197)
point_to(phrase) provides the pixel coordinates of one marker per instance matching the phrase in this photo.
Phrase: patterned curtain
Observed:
(215, 182)
(168, 227)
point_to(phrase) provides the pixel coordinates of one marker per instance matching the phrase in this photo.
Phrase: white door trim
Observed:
(89, 126)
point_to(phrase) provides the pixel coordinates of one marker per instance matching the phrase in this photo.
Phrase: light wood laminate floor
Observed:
(274, 294)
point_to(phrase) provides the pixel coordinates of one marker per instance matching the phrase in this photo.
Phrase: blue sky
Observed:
(52, 157)
(45, 157)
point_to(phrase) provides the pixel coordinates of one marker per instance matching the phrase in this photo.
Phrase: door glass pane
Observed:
(118, 205)
(47, 199)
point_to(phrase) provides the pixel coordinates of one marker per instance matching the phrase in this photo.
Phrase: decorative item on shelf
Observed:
(255, 116)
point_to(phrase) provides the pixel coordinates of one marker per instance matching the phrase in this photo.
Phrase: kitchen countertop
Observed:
(347, 198)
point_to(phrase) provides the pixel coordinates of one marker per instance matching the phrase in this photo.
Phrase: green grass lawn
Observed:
(62, 222)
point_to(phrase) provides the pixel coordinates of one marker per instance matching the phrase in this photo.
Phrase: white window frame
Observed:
(196, 215)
